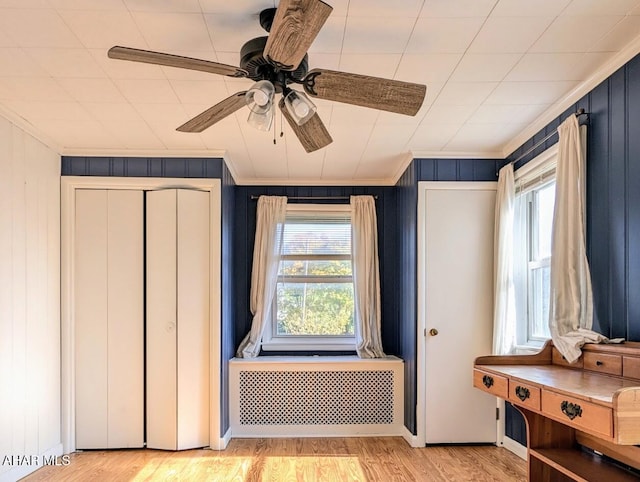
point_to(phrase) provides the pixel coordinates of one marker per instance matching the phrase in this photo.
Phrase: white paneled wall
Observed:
(29, 300)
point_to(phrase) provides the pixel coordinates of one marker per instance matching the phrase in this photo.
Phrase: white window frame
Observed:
(271, 341)
(534, 262)
(534, 175)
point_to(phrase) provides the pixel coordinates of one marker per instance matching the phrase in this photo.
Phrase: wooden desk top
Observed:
(594, 387)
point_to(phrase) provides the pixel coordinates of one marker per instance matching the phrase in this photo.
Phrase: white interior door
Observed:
(90, 314)
(178, 307)
(457, 302)
(109, 319)
(125, 337)
(193, 319)
(162, 320)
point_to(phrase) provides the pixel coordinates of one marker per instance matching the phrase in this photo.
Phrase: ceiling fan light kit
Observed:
(259, 98)
(281, 59)
(261, 121)
(299, 106)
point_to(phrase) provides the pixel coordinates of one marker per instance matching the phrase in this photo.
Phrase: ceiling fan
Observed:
(280, 60)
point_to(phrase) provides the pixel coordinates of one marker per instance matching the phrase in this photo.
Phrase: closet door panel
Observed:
(193, 319)
(161, 320)
(90, 317)
(125, 319)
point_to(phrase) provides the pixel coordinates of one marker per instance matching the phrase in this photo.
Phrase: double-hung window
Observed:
(533, 219)
(313, 307)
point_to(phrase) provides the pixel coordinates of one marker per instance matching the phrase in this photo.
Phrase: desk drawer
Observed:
(494, 384)
(559, 359)
(578, 413)
(525, 395)
(603, 363)
(631, 367)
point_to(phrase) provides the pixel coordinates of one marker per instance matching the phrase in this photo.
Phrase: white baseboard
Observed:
(23, 465)
(515, 447)
(222, 442)
(306, 431)
(411, 439)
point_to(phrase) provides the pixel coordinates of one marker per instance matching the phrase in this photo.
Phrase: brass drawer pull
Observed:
(487, 381)
(571, 410)
(522, 393)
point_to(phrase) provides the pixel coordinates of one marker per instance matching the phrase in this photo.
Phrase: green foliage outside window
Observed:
(315, 296)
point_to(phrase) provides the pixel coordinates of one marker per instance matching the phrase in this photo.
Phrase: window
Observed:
(313, 307)
(535, 199)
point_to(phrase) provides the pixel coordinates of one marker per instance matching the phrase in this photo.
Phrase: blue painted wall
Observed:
(227, 337)
(406, 228)
(244, 234)
(179, 167)
(407, 225)
(613, 202)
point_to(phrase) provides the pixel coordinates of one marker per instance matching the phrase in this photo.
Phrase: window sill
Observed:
(317, 345)
(325, 360)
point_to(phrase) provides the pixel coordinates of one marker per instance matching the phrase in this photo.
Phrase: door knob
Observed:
(433, 332)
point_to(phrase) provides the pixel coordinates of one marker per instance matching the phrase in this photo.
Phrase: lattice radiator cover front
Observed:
(342, 397)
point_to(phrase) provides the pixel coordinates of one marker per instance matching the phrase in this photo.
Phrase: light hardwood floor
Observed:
(302, 459)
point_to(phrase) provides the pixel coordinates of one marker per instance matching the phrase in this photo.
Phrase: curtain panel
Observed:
(271, 214)
(504, 314)
(571, 299)
(366, 277)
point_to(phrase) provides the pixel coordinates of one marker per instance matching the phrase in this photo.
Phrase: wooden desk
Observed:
(594, 403)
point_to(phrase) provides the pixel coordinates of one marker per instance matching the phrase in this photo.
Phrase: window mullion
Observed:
(315, 257)
(315, 279)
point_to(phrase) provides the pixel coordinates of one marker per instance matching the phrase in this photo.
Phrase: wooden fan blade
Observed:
(313, 135)
(169, 60)
(214, 114)
(294, 28)
(366, 91)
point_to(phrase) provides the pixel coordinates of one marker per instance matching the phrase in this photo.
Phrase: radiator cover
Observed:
(336, 396)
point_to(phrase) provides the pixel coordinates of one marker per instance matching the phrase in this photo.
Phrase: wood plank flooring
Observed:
(303, 459)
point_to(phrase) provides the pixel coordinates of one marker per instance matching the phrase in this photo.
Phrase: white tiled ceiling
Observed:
(492, 67)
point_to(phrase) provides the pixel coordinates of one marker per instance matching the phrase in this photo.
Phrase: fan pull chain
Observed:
(281, 124)
(274, 129)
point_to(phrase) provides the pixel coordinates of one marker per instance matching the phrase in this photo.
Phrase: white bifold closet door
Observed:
(177, 332)
(109, 317)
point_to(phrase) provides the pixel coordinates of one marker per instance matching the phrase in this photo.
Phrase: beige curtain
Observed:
(570, 303)
(271, 214)
(366, 277)
(504, 314)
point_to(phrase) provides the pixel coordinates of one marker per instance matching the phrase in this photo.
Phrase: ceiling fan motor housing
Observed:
(253, 61)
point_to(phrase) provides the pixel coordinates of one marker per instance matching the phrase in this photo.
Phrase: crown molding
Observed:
(402, 167)
(457, 155)
(217, 153)
(29, 128)
(582, 89)
(314, 182)
(228, 162)
(274, 181)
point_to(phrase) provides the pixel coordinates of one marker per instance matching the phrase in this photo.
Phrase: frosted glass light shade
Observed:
(259, 98)
(299, 106)
(261, 121)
